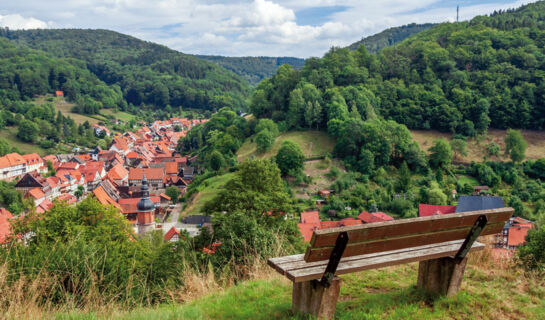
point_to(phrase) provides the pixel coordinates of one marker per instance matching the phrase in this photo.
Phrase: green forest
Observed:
(389, 37)
(254, 69)
(143, 72)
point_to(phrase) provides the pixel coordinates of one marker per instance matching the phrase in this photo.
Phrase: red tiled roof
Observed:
(129, 205)
(11, 160)
(517, 235)
(310, 217)
(165, 196)
(151, 173)
(32, 158)
(132, 155)
(104, 198)
(171, 233)
(426, 210)
(118, 172)
(171, 168)
(367, 217)
(68, 198)
(44, 206)
(36, 193)
(5, 231)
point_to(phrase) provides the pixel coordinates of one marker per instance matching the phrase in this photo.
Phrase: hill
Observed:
(146, 73)
(389, 37)
(490, 290)
(454, 77)
(254, 69)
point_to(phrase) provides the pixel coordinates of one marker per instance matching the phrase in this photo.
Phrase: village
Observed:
(138, 167)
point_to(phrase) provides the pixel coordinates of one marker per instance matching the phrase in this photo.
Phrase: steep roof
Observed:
(474, 203)
(32, 158)
(130, 205)
(103, 197)
(36, 193)
(171, 233)
(307, 229)
(426, 210)
(11, 160)
(171, 168)
(118, 172)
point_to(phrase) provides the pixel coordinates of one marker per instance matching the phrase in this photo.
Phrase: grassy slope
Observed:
(207, 190)
(312, 143)
(10, 134)
(490, 290)
(476, 149)
(119, 115)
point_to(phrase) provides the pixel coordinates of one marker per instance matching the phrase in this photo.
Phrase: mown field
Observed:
(491, 290)
(312, 143)
(207, 191)
(476, 147)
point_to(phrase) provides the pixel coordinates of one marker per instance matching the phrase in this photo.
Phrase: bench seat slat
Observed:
(406, 227)
(359, 248)
(297, 270)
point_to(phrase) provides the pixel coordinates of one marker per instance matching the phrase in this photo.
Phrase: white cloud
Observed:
(238, 27)
(16, 21)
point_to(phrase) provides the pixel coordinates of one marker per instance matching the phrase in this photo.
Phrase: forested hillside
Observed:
(254, 69)
(25, 73)
(455, 77)
(146, 73)
(389, 37)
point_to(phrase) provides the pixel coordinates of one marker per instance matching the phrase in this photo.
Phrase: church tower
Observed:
(145, 219)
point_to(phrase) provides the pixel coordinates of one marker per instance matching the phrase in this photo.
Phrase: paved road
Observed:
(173, 218)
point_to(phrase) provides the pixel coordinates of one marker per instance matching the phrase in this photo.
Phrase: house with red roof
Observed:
(367, 217)
(426, 210)
(5, 224)
(155, 176)
(33, 162)
(172, 235)
(514, 233)
(44, 206)
(118, 174)
(11, 166)
(59, 93)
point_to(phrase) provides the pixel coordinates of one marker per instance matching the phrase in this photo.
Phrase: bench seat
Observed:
(297, 270)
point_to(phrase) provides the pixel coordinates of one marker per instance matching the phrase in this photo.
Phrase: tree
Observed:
(532, 253)
(493, 149)
(5, 148)
(290, 159)
(173, 192)
(404, 181)
(216, 160)
(79, 192)
(264, 140)
(269, 125)
(28, 131)
(459, 147)
(441, 153)
(515, 145)
(256, 188)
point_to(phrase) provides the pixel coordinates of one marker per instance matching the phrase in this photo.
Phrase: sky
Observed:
(299, 28)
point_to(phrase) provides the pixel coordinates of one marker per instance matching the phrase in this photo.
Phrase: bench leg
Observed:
(441, 276)
(310, 297)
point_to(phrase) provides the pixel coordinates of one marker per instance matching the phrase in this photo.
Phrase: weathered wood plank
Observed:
(315, 299)
(441, 276)
(395, 243)
(293, 262)
(403, 227)
(355, 265)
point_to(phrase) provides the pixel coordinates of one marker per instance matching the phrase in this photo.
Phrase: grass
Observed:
(491, 290)
(119, 115)
(207, 191)
(476, 147)
(314, 144)
(10, 134)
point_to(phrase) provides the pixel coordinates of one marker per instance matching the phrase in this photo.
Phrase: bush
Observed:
(532, 253)
(264, 140)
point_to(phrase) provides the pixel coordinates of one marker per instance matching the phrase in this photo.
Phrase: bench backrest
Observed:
(404, 233)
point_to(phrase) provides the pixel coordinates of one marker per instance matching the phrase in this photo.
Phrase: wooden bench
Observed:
(440, 243)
